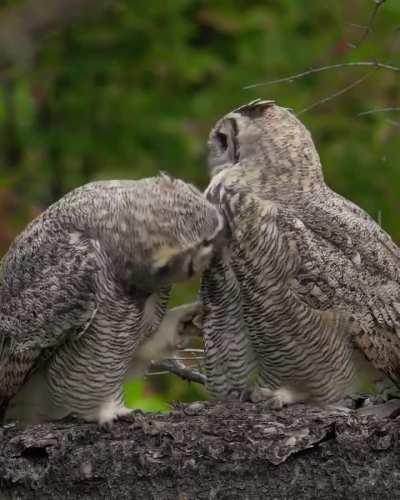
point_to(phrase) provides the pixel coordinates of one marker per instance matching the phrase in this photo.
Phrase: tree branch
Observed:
(335, 94)
(290, 79)
(379, 110)
(179, 369)
(205, 451)
(368, 28)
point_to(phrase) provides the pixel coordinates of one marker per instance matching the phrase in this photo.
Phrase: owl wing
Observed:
(348, 262)
(47, 295)
(122, 239)
(284, 333)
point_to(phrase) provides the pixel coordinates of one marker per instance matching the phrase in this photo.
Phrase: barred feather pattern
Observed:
(229, 359)
(318, 278)
(294, 343)
(88, 282)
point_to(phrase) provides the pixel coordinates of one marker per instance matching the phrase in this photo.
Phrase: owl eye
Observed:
(223, 140)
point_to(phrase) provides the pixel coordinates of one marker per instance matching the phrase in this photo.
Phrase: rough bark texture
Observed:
(206, 451)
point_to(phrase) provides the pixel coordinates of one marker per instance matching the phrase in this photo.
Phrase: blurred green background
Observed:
(128, 88)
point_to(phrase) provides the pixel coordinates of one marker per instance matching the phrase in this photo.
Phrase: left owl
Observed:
(88, 281)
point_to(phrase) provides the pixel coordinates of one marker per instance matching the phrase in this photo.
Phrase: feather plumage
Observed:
(82, 287)
(321, 255)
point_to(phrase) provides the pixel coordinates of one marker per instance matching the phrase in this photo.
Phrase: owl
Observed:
(307, 293)
(85, 288)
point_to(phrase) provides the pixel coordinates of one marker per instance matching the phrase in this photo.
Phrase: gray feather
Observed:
(88, 282)
(318, 277)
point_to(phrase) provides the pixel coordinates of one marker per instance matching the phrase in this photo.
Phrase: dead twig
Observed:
(393, 122)
(290, 79)
(369, 27)
(378, 110)
(177, 368)
(335, 94)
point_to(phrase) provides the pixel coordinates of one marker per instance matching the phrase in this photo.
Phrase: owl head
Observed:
(266, 135)
(171, 235)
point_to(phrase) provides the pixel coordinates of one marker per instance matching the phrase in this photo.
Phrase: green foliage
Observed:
(158, 394)
(136, 396)
(136, 89)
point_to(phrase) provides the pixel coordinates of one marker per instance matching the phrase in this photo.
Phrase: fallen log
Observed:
(206, 451)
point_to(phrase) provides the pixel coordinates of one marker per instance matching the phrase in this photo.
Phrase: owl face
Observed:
(257, 134)
(236, 134)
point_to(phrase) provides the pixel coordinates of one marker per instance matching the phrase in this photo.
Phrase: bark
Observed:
(206, 451)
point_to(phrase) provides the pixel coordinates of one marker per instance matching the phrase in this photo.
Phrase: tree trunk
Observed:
(206, 451)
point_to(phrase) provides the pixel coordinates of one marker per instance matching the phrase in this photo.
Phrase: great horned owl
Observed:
(311, 286)
(87, 283)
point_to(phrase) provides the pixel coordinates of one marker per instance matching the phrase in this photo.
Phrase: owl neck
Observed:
(289, 173)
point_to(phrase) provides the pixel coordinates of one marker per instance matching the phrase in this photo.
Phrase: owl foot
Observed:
(261, 394)
(110, 411)
(238, 395)
(276, 399)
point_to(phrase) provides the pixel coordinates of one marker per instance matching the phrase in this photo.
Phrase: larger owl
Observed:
(87, 283)
(310, 288)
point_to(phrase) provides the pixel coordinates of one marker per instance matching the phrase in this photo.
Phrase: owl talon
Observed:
(239, 395)
(261, 394)
(276, 399)
(273, 403)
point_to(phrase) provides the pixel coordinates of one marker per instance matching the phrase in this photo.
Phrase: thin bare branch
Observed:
(358, 26)
(290, 79)
(379, 110)
(369, 27)
(393, 122)
(179, 369)
(336, 94)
